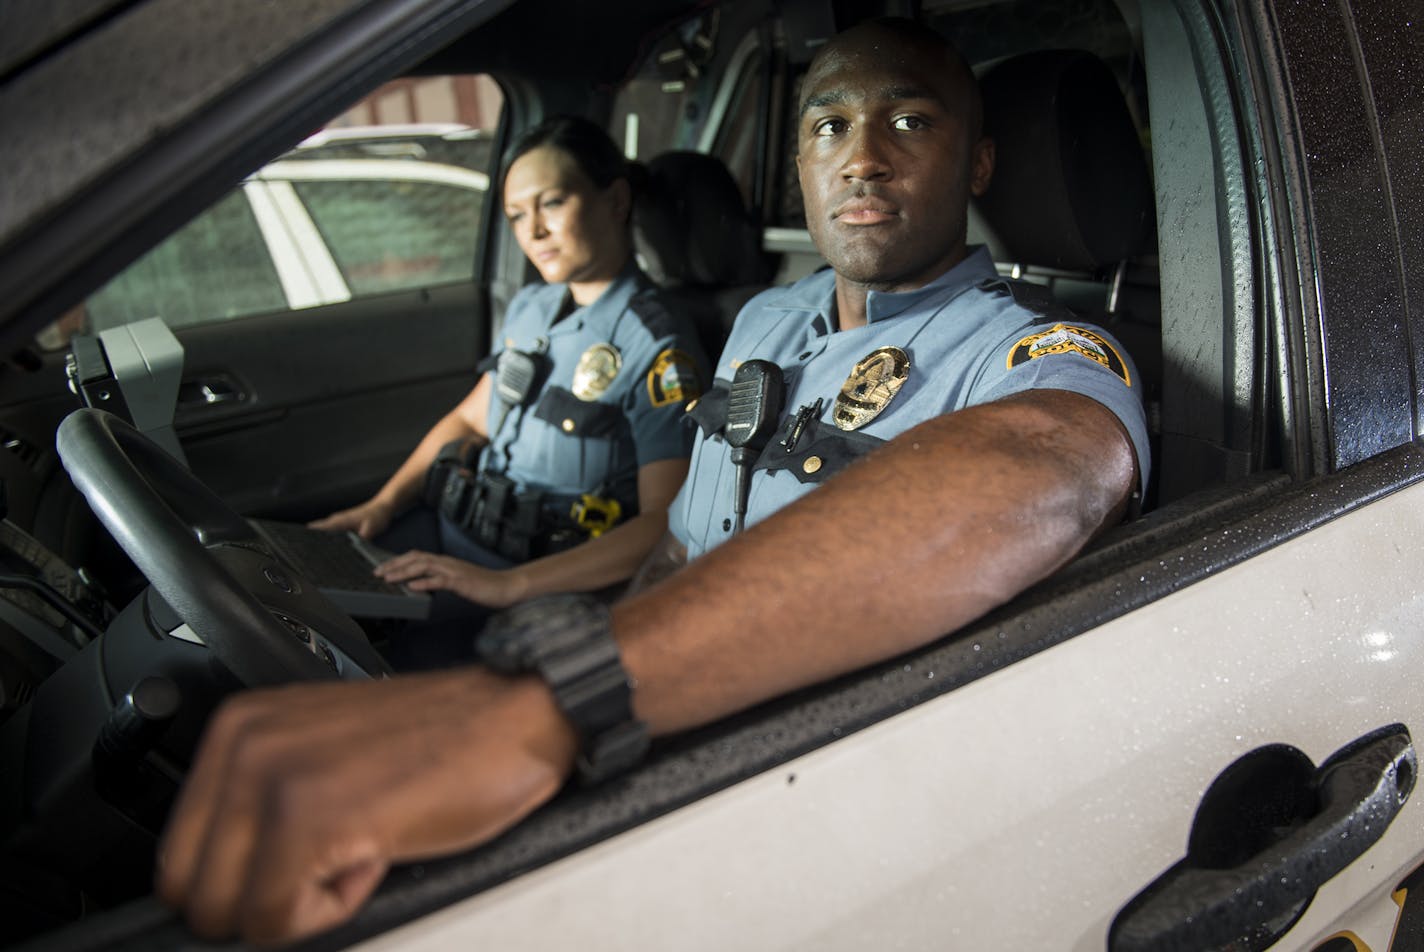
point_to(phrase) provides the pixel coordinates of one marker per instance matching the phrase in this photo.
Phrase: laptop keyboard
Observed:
(328, 558)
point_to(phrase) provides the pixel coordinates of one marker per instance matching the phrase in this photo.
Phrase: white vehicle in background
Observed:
(353, 211)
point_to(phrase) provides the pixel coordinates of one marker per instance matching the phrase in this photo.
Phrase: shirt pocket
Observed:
(584, 440)
(581, 419)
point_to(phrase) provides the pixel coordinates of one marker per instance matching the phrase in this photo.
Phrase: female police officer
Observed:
(577, 418)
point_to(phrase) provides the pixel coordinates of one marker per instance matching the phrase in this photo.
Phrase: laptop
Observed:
(340, 564)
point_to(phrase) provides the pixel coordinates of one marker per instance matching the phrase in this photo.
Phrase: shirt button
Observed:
(567, 426)
(804, 355)
(726, 525)
(811, 465)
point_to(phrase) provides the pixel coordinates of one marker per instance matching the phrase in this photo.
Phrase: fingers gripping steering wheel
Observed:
(207, 562)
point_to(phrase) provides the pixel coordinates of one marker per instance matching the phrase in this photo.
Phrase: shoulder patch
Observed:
(673, 378)
(1067, 339)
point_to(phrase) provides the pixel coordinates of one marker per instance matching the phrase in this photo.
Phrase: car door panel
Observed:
(1022, 810)
(319, 422)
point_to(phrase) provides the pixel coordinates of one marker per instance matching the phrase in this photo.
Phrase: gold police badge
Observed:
(595, 371)
(872, 384)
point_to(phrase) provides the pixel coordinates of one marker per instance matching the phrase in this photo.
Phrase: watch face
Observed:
(500, 648)
(518, 638)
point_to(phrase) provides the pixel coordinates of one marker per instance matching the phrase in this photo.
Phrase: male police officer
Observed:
(301, 797)
(884, 178)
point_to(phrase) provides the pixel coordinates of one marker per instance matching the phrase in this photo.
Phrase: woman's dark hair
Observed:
(584, 141)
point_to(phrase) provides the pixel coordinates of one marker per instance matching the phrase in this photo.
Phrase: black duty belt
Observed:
(518, 524)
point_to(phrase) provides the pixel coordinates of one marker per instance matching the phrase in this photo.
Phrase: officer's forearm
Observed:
(404, 486)
(616, 554)
(949, 520)
(666, 557)
(611, 558)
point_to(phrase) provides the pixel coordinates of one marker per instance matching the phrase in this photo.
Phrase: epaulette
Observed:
(1031, 297)
(655, 317)
(709, 411)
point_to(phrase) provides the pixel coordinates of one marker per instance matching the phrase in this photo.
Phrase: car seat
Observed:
(694, 236)
(1071, 203)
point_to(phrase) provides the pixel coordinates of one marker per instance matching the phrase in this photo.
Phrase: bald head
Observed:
(889, 150)
(904, 42)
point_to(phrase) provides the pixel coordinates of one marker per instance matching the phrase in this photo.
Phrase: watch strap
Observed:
(568, 640)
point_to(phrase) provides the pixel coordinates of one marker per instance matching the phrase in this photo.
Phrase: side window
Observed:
(388, 234)
(224, 246)
(387, 197)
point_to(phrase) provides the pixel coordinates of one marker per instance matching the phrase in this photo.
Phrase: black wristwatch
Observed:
(568, 641)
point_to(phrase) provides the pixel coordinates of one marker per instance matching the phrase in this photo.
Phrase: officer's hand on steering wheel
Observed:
(302, 797)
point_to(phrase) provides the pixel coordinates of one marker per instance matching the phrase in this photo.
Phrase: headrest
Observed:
(691, 227)
(1070, 188)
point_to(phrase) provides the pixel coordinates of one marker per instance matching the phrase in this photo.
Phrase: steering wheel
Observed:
(263, 621)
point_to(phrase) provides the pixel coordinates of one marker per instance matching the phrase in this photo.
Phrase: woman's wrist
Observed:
(390, 502)
(518, 585)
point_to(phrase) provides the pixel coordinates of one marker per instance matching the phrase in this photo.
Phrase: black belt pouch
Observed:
(496, 493)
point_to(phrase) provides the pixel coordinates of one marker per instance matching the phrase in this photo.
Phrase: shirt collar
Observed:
(970, 271)
(608, 305)
(818, 293)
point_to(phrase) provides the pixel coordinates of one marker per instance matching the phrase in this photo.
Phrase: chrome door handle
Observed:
(209, 392)
(1270, 831)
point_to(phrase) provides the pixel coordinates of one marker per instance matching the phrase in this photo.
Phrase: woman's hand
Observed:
(427, 572)
(368, 520)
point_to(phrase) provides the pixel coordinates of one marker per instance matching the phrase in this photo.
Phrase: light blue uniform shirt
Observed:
(969, 342)
(560, 443)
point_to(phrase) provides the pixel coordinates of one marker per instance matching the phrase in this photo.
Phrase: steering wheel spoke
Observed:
(205, 561)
